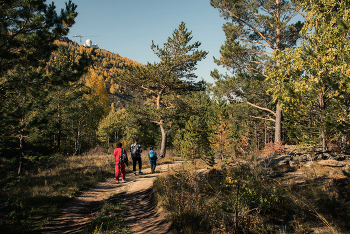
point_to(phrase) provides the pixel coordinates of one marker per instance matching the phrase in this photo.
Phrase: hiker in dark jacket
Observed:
(136, 151)
(119, 163)
(152, 155)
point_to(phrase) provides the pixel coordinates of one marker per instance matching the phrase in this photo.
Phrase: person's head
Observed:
(119, 145)
(136, 139)
(151, 148)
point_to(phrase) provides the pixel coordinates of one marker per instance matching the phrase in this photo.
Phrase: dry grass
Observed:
(242, 197)
(29, 201)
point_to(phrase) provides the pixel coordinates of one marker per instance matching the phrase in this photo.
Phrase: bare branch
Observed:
(292, 16)
(157, 122)
(253, 28)
(269, 119)
(256, 62)
(261, 43)
(258, 52)
(256, 70)
(304, 16)
(148, 89)
(271, 25)
(251, 104)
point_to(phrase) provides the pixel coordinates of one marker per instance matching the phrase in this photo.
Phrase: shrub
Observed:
(232, 200)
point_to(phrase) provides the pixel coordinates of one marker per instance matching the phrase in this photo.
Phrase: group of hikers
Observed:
(121, 159)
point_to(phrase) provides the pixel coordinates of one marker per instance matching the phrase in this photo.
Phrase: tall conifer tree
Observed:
(28, 30)
(256, 29)
(160, 83)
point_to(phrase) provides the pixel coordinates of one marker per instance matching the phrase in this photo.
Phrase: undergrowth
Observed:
(244, 198)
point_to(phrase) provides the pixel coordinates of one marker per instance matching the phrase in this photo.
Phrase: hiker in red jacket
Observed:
(121, 159)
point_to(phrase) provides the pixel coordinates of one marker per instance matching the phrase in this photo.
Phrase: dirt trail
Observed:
(142, 215)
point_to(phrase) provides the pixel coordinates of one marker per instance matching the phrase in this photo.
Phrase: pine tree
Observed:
(28, 30)
(256, 29)
(161, 83)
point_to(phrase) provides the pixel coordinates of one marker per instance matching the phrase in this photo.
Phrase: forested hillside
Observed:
(105, 64)
(63, 113)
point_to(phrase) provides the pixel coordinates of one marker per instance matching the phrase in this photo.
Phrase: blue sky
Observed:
(127, 27)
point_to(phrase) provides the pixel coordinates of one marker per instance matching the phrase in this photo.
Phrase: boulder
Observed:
(332, 163)
(279, 160)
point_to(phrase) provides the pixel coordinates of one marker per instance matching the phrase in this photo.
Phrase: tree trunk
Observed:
(343, 142)
(59, 123)
(278, 123)
(322, 107)
(164, 137)
(221, 144)
(59, 136)
(256, 138)
(343, 138)
(77, 141)
(20, 154)
(233, 148)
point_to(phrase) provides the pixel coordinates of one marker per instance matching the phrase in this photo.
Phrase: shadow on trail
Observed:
(142, 213)
(76, 216)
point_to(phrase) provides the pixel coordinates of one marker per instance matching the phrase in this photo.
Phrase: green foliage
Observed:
(255, 28)
(64, 98)
(195, 142)
(28, 30)
(178, 57)
(112, 127)
(314, 76)
(191, 135)
(209, 158)
(45, 104)
(346, 173)
(160, 85)
(28, 83)
(218, 124)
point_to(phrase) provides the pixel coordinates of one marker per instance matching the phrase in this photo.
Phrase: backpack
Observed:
(152, 155)
(123, 159)
(135, 150)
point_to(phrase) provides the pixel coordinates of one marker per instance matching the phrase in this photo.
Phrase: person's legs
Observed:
(140, 163)
(154, 166)
(134, 160)
(123, 172)
(117, 172)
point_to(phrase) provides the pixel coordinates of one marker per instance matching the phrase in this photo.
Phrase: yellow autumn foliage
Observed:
(98, 90)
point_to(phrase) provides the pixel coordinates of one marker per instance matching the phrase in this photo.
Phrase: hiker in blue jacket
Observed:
(152, 155)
